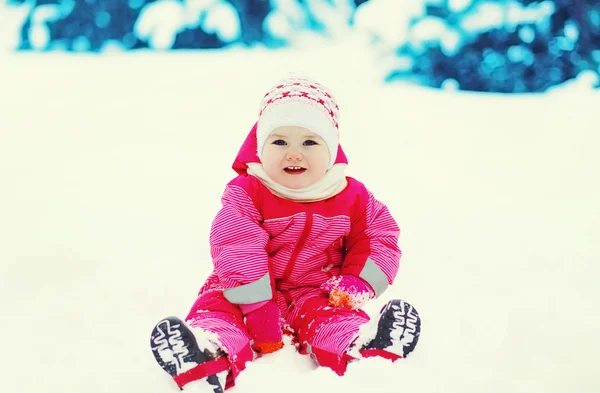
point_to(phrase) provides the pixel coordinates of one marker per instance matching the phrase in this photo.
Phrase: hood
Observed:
(248, 154)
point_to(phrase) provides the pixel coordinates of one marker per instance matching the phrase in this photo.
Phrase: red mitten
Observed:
(264, 325)
(348, 291)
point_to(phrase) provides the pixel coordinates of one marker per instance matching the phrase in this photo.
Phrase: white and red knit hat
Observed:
(298, 101)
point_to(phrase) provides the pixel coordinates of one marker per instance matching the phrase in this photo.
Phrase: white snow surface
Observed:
(112, 168)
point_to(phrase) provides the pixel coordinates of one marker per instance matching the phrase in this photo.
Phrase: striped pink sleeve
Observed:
(373, 252)
(237, 244)
(383, 232)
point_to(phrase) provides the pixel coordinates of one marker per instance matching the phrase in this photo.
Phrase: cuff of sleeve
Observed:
(371, 274)
(247, 308)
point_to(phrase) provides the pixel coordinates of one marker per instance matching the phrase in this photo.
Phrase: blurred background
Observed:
(503, 46)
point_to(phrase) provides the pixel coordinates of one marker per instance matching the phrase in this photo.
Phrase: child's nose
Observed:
(294, 156)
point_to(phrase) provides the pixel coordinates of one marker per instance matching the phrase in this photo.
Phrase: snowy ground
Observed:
(111, 171)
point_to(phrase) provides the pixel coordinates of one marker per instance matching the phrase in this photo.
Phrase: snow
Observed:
(532, 13)
(112, 169)
(485, 17)
(457, 6)
(433, 29)
(11, 18)
(223, 20)
(490, 15)
(571, 31)
(159, 23)
(376, 18)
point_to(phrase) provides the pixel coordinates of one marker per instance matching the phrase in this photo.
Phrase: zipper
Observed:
(299, 245)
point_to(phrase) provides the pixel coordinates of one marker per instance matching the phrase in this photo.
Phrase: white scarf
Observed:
(330, 185)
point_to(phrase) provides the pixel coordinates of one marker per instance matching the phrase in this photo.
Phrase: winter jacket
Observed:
(264, 246)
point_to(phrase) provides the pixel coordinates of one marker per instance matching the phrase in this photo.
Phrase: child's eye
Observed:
(310, 142)
(279, 142)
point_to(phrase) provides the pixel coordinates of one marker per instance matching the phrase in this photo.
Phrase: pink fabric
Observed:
(348, 291)
(246, 308)
(301, 245)
(347, 283)
(326, 333)
(214, 314)
(263, 325)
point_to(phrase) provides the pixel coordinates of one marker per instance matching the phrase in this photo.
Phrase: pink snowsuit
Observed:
(265, 247)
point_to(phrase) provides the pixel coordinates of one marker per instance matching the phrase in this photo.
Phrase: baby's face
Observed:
(295, 157)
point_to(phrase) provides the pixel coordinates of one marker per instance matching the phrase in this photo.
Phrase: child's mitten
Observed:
(348, 291)
(263, 325)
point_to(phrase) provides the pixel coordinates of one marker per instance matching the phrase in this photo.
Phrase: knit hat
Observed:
(298, 101)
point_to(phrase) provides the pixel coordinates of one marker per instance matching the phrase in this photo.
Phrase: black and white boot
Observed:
(396, 333)
(182, 355)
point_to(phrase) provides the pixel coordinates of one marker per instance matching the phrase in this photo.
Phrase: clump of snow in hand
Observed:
(333, 282)
(350, 298)
(359, 299)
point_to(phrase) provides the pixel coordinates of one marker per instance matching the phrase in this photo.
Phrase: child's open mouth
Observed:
(294, 170)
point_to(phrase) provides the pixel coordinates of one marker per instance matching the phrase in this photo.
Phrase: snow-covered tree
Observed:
(504, 46)
(97, 25)
(508, 46)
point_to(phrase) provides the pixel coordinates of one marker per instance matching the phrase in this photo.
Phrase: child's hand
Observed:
(348, 291)
(263, 324)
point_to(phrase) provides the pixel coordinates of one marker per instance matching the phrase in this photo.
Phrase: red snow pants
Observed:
(324, 332)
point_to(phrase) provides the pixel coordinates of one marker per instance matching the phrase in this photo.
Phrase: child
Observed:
(297, 246)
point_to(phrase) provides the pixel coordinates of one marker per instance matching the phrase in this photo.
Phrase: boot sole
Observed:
(399, 322)
(176, 350)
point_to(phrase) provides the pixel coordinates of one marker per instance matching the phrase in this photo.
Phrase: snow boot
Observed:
(397, 332)
(187, 358)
